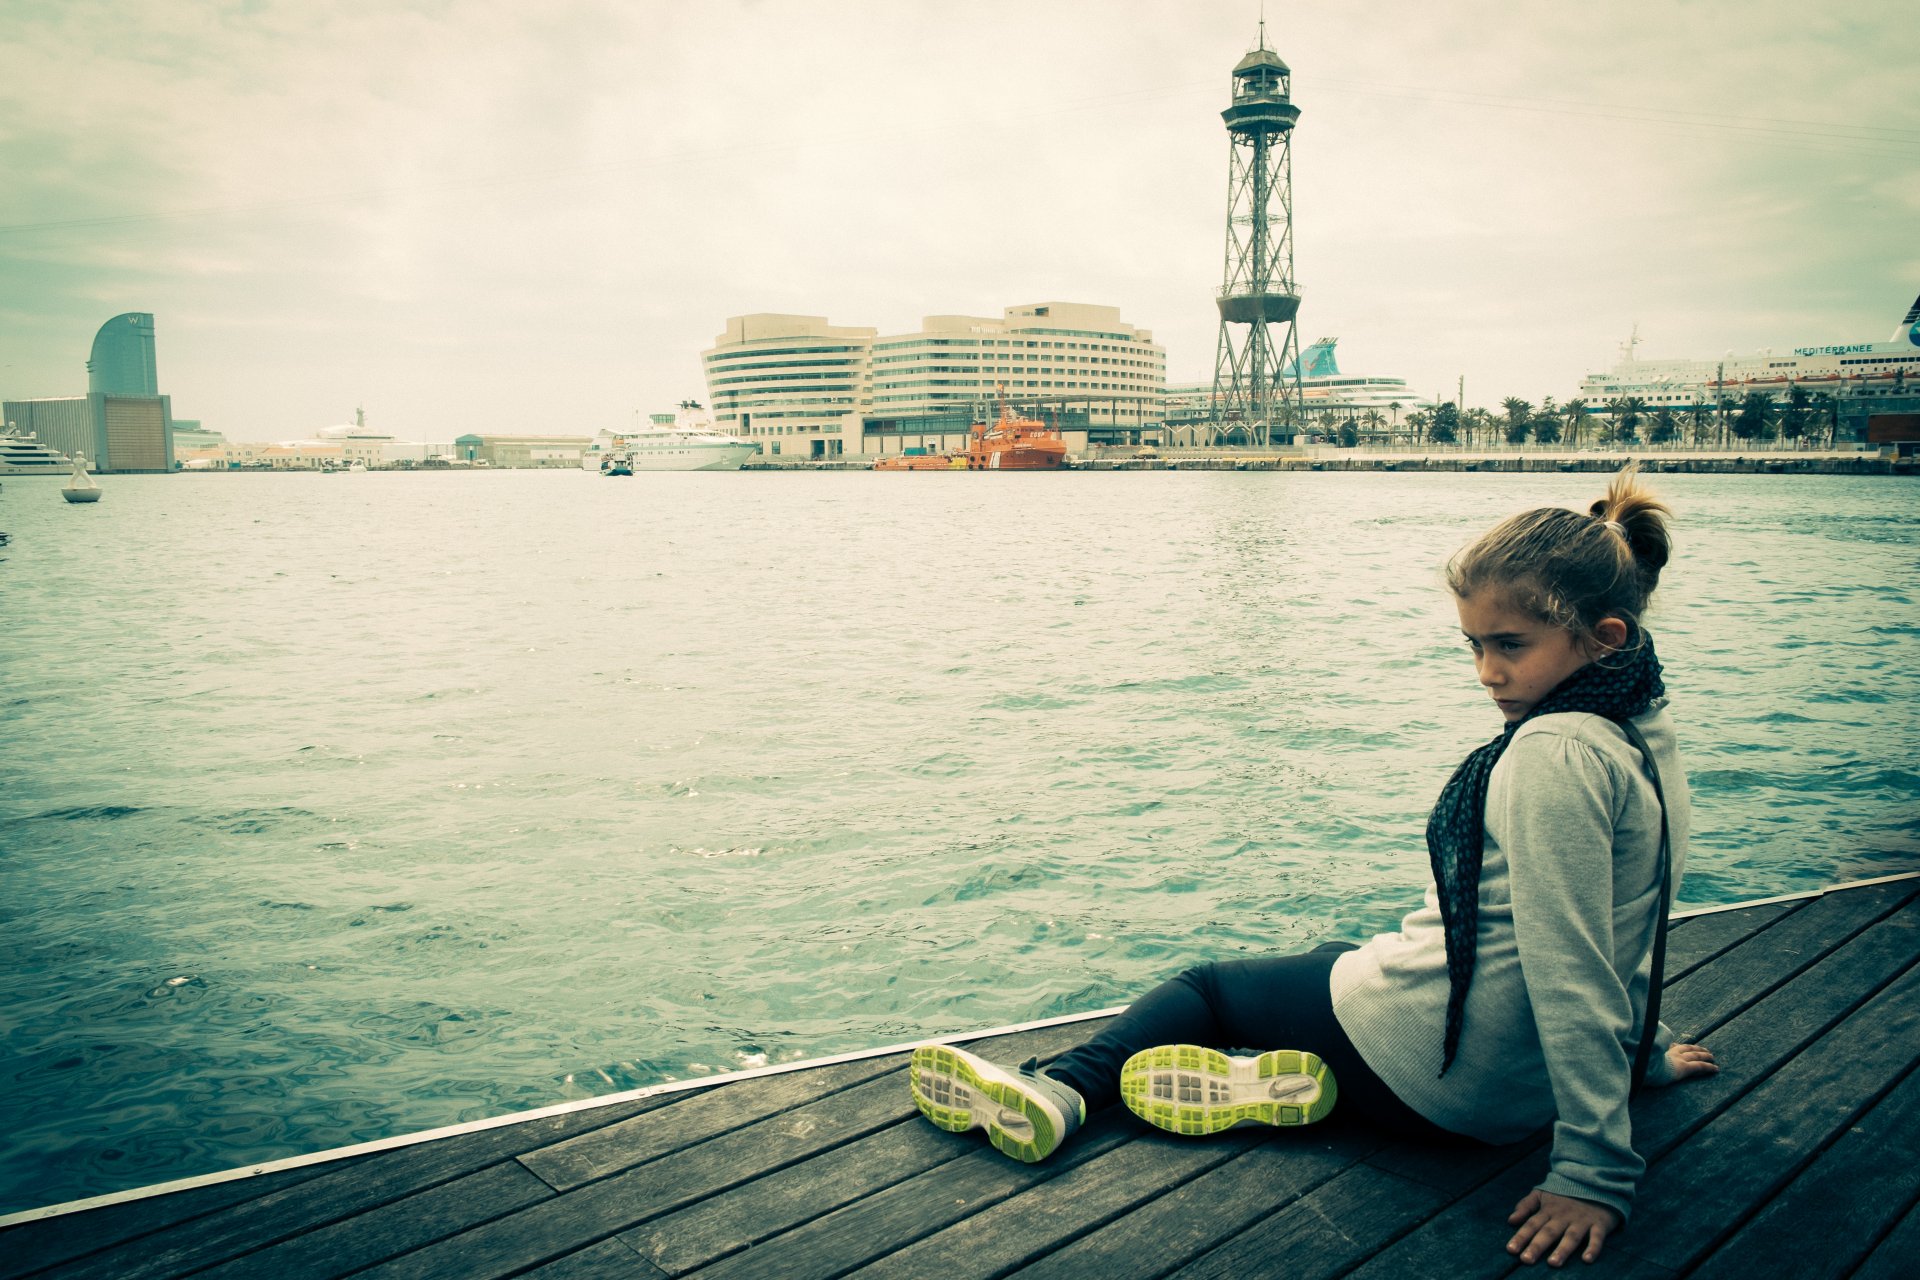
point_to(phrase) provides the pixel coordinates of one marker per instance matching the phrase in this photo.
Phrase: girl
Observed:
(1518, 993)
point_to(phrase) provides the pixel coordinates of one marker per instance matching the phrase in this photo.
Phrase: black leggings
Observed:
(1274, 1002)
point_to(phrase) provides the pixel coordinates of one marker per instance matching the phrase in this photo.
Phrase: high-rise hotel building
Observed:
(800, 386)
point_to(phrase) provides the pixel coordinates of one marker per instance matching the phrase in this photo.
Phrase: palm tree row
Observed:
(1618, 422)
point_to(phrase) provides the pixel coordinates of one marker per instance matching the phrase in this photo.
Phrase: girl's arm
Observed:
(1555, 822)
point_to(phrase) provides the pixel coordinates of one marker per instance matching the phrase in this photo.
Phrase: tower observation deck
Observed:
(1256, 373)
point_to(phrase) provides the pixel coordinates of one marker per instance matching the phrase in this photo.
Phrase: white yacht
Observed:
(22, 455)
(683, 441)
(1874, 369)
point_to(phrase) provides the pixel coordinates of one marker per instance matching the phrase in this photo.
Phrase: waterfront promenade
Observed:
(1757, 461)
(1812, 1004)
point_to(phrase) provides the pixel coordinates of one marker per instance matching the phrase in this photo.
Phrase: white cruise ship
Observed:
(1323, 387)
(683, 441)
(22, 455)
(1851, 369)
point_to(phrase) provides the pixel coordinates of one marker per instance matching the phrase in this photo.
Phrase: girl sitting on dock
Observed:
(1519, 992)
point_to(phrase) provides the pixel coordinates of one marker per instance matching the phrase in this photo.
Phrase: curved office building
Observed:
(848, 390)
(122, 362)
(791, 384)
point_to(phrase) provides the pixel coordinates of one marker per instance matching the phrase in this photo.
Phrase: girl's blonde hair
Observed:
(1571, 569)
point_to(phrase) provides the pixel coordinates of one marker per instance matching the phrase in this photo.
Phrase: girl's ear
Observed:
(1611, 632)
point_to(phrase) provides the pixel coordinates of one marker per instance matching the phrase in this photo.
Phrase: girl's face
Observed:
(1519, 658)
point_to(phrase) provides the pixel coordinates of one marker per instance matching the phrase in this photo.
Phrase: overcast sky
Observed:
(496, 215)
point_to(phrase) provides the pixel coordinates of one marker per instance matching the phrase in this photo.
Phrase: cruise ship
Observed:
(23, 455)
(1850, 368)
(1323, 389)
(683, 441)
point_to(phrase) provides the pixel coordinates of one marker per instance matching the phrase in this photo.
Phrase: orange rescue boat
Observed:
(1009, 443)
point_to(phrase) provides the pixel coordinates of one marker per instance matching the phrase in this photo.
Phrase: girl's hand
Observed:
(1685, 1061)
(1562, 1224)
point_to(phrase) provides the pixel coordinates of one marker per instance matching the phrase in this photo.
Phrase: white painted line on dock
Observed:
(682, 1086)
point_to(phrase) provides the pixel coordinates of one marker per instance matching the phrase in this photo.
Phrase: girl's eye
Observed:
(1510, 646)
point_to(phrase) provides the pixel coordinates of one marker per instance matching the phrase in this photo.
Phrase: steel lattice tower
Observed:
(1256, 373)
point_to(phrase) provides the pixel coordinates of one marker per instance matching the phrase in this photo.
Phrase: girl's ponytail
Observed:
(1640, 519)
(1573, 569)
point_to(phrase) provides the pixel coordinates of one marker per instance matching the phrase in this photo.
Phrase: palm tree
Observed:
(1665, 426)
(1373, 420)
(1417, 423)
(1394, 406)
(1519, 417)
(1479, 424)
(1626, 419)
(1699, 415)
(1575, 412)
(1756, 416)
(1793, 422)
(1826, 415)
(1546, 426)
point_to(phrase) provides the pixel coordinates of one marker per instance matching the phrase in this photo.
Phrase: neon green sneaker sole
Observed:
(1184, 1088)
(959, 1091)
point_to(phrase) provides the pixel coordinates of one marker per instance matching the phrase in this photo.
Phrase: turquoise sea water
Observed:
(335, 807)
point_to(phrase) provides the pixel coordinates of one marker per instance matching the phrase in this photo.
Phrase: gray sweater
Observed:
(1568, 894)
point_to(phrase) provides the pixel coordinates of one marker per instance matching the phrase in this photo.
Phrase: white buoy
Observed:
(80, 487)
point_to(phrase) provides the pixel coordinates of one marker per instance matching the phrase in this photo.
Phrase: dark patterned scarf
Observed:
(1456, 832)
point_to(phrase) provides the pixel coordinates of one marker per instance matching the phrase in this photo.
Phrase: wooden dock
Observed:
(1801, 1158)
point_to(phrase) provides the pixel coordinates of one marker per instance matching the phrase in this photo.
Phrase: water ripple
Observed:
(404, 800)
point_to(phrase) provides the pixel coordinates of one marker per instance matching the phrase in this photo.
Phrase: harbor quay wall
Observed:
(1865, 464)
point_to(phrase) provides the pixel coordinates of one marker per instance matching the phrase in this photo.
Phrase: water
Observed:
(335, 807)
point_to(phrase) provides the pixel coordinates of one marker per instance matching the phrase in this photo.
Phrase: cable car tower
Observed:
(1256, 373)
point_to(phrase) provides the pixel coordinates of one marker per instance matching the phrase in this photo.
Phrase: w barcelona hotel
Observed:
(800, 387)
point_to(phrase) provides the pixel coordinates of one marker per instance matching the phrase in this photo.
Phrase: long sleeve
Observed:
(1569, 901)
(1557, 826)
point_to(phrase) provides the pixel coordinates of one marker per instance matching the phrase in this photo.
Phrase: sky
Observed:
(497, 216)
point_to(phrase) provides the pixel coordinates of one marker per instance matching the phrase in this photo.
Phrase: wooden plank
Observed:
(1856, 1191)
(339, 1192)
(608, 1260)
(614, 1148)
(1750, 970)
(1323, 1233)
(591, 1212)
(1465, 1241)
(1201, 1213)
(648, 1137)
(585, 1215)
(1024, 1228)
(879, 1224)
(1892, 1258)
(1455, 1170)
(1757, 1042)
(1470, 1233)
(1757, 1145)
(1697, 940)
(738, 1218)
(744, 1216)
(393, 1228)
(46, 1242)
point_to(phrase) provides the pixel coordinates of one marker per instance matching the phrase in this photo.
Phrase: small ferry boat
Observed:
(23, 455)
(682, 441)
(1008, 443)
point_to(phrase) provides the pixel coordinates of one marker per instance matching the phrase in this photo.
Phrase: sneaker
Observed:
(1027, 1114)
(1184, 1088)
